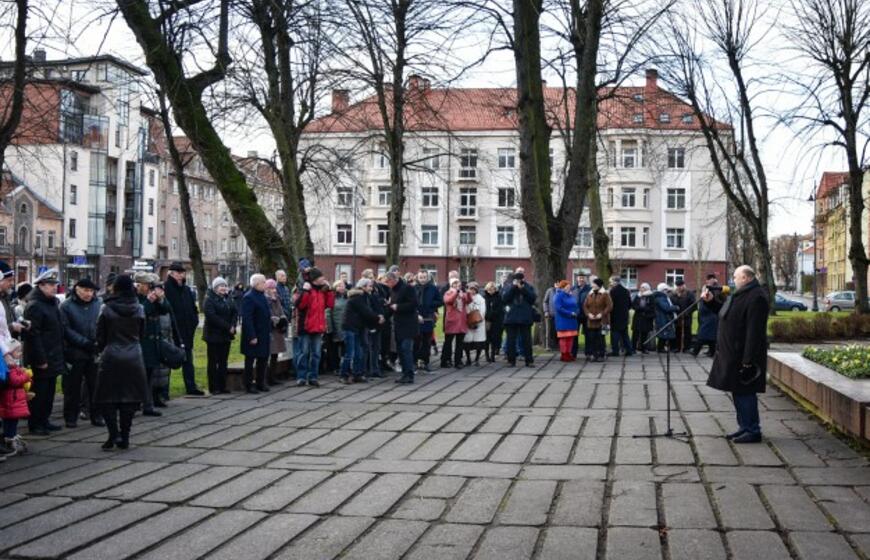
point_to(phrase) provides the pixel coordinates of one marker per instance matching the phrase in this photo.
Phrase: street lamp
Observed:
(812, 199)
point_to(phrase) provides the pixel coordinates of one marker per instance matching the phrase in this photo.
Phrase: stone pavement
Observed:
(491, 463)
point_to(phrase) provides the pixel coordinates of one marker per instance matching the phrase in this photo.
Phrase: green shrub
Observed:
(852, 361)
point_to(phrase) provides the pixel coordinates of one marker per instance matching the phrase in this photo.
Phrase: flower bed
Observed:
(852, 361)
(803, 326)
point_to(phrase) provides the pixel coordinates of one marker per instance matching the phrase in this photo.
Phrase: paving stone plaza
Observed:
(491, 463)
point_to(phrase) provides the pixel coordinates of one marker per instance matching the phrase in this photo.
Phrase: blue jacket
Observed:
(580, 295)
(428, 301)
(256, 323)
(708, 323)
(518, 303)
(665, 311)
(565, 306)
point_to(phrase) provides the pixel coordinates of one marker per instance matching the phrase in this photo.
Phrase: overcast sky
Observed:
(793, 166)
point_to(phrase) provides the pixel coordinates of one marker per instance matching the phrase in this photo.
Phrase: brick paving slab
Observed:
(493, 462)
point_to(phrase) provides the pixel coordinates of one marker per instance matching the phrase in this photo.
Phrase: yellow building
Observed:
(832, 209)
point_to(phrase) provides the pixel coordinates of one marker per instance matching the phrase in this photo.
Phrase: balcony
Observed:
(467, 174)
(466, 213)
(466, 251)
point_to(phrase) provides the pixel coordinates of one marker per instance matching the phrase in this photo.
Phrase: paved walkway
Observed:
(493, 463)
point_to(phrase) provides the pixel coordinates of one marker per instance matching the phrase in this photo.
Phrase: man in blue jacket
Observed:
(519, 298)
(580, 290)
(256, 334)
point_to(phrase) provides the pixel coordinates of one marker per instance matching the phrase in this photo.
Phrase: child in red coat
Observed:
(13, 402)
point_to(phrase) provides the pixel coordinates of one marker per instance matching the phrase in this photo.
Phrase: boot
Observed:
(158, 399)
(112, 426)
(126, 424)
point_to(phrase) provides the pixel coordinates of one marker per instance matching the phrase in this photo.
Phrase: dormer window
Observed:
(22, 209)
(665, 118)
(637, 118)
(638, 97)
(687, 118)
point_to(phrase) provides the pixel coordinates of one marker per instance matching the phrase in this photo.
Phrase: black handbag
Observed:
(171, 356)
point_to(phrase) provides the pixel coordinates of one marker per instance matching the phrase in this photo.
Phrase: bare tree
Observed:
(834, 38)
(741, 242)
(784, 250)
(13, 89)
(168, 39)
(733, 28)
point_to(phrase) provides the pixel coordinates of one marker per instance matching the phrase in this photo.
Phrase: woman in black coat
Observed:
(121, 382)
(494, 320)
(740, 363)
(218, 333)
(643, 320)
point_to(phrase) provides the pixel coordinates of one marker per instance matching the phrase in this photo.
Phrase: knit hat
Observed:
(5, 270)
(218, 282)
(271, 284)
(598, 282)
(86, 283)
(123, 284)
(314, 274)
(662, 287)
(177, 266)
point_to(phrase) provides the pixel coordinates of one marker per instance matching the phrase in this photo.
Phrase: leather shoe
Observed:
(52, 427)
(98, 422)
(733, 435)
(263, 388)
(314, 383)
(196, 393)
(405, 380)
(747, 438)
(151, 412)
(38, 431)
(252, 390)
(71, 424)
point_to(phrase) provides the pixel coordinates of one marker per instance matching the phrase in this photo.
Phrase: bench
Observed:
(235, 372)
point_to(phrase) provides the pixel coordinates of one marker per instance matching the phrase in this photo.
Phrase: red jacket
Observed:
(13, 397)
(314, 304)
(456, 312)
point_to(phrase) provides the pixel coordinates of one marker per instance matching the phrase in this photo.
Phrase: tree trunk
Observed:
(600, 241)
(397, 205)
(857, 253)
(12, 113)
(194, 250)
(185, 96)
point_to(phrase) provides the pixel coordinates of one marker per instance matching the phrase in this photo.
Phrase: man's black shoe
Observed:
(530, 363)
(747, 438)
(196, 393)
(151, 412)
(733, 435)
(38, 431)
(512, 364)
(263, 388)
(71, 424)
(360, 380)
(52, 427)
(313, 383)
(252, 390)
(98, 423)
(405, 379)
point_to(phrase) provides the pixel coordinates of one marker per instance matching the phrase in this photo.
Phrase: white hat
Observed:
(662, 287)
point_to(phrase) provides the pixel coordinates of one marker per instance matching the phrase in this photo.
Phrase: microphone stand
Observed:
(670, 431)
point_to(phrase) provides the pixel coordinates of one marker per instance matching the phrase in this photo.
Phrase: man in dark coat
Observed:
(621, 298)
(79, 312)
(519, 298)
(218, 333)
(43, 350)
(683, 299)
(152, 298)
(256, 334)
(740, 364)
(429, 299)
(403, 308)
(580, 290)
(708, 320)
(183, 303)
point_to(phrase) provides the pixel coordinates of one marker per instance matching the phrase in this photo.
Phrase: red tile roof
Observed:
(480, 109)
(831, 180)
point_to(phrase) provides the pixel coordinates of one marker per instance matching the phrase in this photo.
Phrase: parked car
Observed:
(837, 301)
(782, 303)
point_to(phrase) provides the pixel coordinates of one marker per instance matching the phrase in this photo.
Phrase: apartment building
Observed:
(663, 209)
(84, 146)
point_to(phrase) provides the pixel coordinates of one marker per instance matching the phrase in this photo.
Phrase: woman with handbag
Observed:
(597, 308)
(456, 301)
(278, 337)
(475, 338)
(218, 333)
(150, 296)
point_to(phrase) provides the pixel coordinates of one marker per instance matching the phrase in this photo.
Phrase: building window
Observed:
(674, 274)
(118, 136)
(73, 195)
(664, 118)
(24, 238)
(22, 208)
(173, 245)
(37, 240)
(162, 228)
(431, 159)
(344, 234)
(383, 234)
(629, 200)
(584, 237)
(507, 197)
(502, 273)
(72, 228)
(629, 154)
(674, 238)
(382, 159)
(504, 236)
(468, 163)
(151, 236)
(429, 235)
(467, 235)
(150, 206)
(629, 277)
(645, 238)
(73, 161)
(676, 199)
(468, 201)
(2, 235)
(610, 233)
(344, 197)
(51, 240)
(507, 158)
(174, 188)
(628, 236)
(687, 118)
(175, 215)
(676, 158)
(608, 200)
(637, 118)
(429, 197)
(151, 178)
(385, 195)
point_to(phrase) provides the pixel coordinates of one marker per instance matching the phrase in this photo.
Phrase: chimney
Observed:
(340, 100)
(38, 55)
(416, 83)
(252, 154)
(652, 80)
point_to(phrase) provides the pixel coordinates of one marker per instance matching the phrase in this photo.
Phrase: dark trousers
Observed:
(746, 407)
(575, 348)
(111, 414)
(619, 337)
(79, 381)
(150, 393)
(552, 343)
(188, 371)
(43, 388)
(333, 354)
(696, 347)
(595, 343)
(638, 340)
(217, 353)
(664, 344)
(452, 349)
(524, 333)
(405, 347)
(373, 353)
(386, 332)
(255, 371)
(423, 347)
(493, 341)
(684, 333)
(10, 428)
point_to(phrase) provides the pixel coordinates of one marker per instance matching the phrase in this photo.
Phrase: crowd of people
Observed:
(114, 348)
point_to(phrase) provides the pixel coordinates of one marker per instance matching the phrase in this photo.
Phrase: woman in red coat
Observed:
(456, 302)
